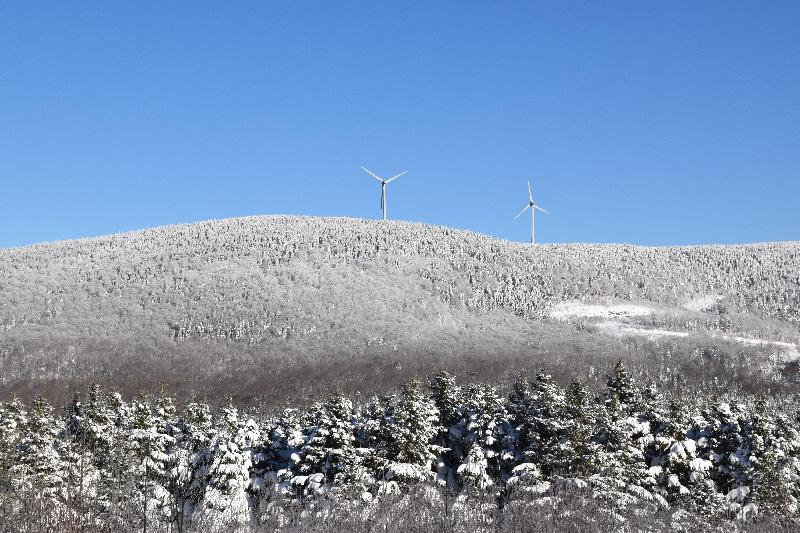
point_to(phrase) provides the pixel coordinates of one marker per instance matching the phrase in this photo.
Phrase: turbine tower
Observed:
(383, 187)
(533, 207)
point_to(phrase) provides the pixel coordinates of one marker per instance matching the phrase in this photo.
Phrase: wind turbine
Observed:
(383, 188)
(533, 207)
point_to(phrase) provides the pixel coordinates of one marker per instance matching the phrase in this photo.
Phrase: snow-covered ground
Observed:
(703, 302)
(617, 325)
(785, 351)
(566, 310)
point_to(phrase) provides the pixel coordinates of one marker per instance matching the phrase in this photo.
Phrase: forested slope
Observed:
(205, 302)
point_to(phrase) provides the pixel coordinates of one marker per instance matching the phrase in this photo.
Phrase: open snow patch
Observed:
(784, 351)
(566, 310)
(702, 302)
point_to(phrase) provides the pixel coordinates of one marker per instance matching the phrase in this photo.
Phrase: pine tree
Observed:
(773, 457)
(546, 426)
(149, 450)
(478, 441)
(623, 476)
(411, 429)
(13, 419)
(620, 386)
(576, 458)
(730, 452)
(228, 477)
(446, 396)
(191, 470)
(38, 464)
(330, 447)
(760, 445)
(91, 431)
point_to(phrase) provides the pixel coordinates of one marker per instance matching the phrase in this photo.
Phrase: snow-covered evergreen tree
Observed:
(12, 420)
(37, 464)
(228, 478)
(330, 448)
(149, 448)
(412, 428)
(577, 454)
(623, 477)
(546, 425)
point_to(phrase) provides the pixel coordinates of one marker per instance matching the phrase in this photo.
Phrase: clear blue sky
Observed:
(641, 122)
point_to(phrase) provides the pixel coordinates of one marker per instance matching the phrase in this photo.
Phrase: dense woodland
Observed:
(435, 456)
(294, 374)
(242, 305)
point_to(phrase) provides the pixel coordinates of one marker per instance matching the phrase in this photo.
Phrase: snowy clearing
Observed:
(703, 302)
(788, 350)
(579, 309)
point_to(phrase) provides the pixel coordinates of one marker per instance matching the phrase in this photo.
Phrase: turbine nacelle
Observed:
(532, 206)
(383, 183)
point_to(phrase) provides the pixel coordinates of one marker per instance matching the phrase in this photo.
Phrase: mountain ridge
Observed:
(255, 292)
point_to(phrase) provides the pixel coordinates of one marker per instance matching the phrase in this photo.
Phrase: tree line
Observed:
(145, 464)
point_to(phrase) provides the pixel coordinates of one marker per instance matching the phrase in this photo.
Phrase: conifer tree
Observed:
(190, 471)
(149, 451)
(620, 386)
(546, 424)
(730, 452)
(577, 455)
(38, 464)
(12, 420)
(624, 478)
(478, 441)
(228, 477)
(412, 428)
(330, 446)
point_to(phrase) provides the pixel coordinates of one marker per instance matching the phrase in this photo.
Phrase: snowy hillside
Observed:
(239, 299)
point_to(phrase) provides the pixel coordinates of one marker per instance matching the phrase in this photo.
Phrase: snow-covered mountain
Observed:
(259, 301)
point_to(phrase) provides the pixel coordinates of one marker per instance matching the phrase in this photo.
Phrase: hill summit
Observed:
(242, 304)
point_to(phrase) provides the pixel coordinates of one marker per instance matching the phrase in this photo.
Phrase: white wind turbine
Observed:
(383, 188)
(533, 207)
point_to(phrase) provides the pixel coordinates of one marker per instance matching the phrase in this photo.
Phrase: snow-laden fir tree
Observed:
(478, 439)
(577, 454)
(447, 397)
(682, 474)
(774, 446)
(727, 435)
(37, 464)
(149, 448)
(330, 447)
(228, 478)
(411, 429)
(546, 423)
(278, 458)
(192, 456)
(93, 446)
(12, 419)
(623, 478)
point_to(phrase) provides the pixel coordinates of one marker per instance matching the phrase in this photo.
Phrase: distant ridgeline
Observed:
(623, 458)
(260, 277)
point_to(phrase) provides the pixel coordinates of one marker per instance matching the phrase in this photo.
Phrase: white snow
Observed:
(565, 310)
(788, 350)
(702, 302)
(614, 327)
(617, 315)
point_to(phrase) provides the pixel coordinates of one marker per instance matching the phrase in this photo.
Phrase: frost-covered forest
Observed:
(295, 374)
(434, 456)
(264, 308)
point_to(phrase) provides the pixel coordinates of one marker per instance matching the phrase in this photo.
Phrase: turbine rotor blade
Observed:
(371, 174)
(397, 176)
(540, 209)
(526, 208)
(530, 194)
